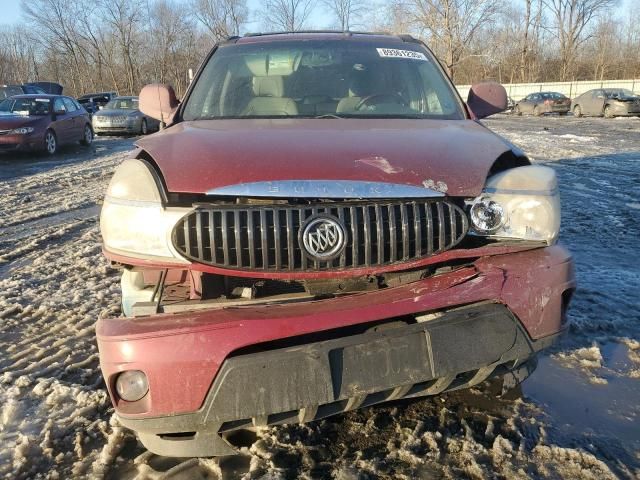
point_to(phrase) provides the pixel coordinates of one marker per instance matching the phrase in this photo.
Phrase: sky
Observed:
(10, 14)
(9, 11)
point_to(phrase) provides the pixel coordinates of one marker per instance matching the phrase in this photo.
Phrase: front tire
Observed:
(144, 129)
(87, 138)
(536, 111)
(577, 111)
(50, 142)
(516, 111)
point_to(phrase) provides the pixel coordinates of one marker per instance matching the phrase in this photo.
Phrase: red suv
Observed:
(322, 225)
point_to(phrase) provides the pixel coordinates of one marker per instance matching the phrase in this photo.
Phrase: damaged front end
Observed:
(260, 310)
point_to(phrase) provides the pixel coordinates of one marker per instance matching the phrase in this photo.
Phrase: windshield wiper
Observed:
(329, 115)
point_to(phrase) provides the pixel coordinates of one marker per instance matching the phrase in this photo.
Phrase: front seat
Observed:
(268, 100)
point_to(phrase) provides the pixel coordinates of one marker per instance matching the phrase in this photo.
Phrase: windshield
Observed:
(322, 78)
(122, 104)
(553, 95)
(26, 106)
(619, 92)
(9, 91)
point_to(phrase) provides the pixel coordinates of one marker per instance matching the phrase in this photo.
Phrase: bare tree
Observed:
(452, 25)
(222, 18)
(287, 15)
(571, 19)
(346, 12)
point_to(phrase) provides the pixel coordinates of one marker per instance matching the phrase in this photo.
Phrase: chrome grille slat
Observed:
(441, 232)
(266, 238)
(404, 225)
(393, 240)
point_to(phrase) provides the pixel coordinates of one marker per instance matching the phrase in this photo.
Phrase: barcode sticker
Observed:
(395, 53)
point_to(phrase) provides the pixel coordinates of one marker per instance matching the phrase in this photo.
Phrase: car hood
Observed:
(9, 121)
(626, 98)
(453, 156)
(117, 113)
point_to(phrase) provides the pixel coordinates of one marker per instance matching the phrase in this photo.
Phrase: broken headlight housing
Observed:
(522, 203)
(133, 221)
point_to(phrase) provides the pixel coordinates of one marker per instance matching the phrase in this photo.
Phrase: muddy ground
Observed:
(576, 417)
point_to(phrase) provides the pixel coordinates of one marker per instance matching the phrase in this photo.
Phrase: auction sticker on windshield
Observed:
(395, 53)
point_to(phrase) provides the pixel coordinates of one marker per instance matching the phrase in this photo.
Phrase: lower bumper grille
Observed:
(268, 238)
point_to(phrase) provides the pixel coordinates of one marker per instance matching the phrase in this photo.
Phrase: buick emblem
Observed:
(323, 237)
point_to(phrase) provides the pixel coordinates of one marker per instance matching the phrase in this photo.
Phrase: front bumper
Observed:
(20, 143)
(119, 130)
(284, 363)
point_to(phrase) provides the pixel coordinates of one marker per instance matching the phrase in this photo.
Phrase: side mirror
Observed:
(159, 102)
(100, 107)
(487, 98)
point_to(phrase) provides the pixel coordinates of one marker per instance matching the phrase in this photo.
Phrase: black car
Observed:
(7, 91)
(93, 101)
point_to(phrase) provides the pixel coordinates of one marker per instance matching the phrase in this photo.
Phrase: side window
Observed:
(68, 103)
(58, 106)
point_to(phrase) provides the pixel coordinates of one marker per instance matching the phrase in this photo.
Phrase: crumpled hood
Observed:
(449, 155)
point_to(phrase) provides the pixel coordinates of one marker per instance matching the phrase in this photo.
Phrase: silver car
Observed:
(121, 116)
(607, 102)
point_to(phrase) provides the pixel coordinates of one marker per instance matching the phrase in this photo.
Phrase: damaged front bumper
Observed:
(214, 371)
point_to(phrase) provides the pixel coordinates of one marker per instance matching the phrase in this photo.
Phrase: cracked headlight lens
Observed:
(133, 220)
(486, 215)
(522, 203)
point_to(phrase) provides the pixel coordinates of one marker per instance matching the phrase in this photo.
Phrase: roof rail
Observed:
(344, 32)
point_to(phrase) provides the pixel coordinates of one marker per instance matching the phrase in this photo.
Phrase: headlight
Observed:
(22, 130)
(133, 221)
(522, 203)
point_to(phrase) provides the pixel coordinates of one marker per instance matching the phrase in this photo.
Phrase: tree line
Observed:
(121, 45)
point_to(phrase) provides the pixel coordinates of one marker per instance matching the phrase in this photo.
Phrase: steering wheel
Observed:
(394, 97)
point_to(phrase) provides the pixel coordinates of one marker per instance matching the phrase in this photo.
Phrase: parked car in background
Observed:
(7, 91)
(607, 102)
(323, 225)
(540, 103)
(121, 116)
(92, 102)
(42, 122)
(52, 88)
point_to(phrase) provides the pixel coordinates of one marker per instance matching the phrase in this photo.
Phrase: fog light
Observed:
(486, 215)
(132, 385)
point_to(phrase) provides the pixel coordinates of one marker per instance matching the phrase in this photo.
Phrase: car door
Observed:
(63, 122)
(533, 101)
(596, 105)
(76, 131)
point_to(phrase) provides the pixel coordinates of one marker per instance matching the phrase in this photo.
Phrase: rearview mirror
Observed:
(487, 98)
(159, 102)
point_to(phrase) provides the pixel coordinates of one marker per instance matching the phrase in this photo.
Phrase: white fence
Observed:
(517, 91)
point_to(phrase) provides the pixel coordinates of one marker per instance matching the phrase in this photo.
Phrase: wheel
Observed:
(144, 129)
(516, 110)
(87, 138)
(50, 142)
(536, 111)
(608, 112)
(577, 111)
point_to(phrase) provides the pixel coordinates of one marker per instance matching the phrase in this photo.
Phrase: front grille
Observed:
(267, 237)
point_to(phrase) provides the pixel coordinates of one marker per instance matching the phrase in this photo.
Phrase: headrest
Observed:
(361, 84)
(268, 86)
(275, 63)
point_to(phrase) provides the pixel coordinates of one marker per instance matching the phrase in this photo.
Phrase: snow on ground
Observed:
(576, 417)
